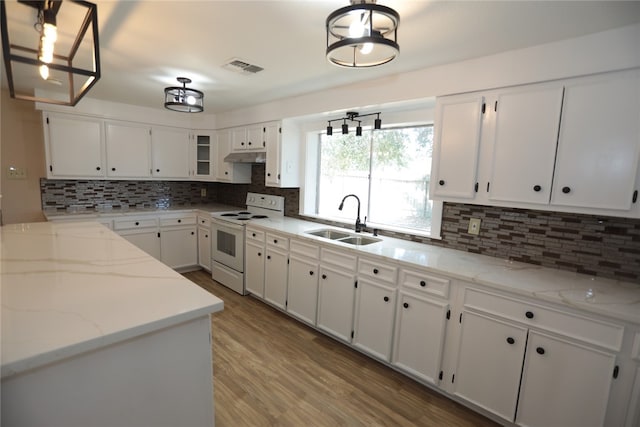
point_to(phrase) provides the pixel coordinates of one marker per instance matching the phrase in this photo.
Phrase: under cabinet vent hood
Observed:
(251, 157)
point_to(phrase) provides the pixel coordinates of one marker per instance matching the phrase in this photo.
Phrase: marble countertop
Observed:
(69, 288)
(617, 300)
(79, 214)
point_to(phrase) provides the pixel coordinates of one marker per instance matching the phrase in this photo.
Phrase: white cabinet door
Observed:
(457, 130)
(147, 240)
(74, 146)
(490, 363)
(204, 155)
(302, 292)
(335, 302)
(247, 138)
(204, 248)
(524, 147)
(273, 146)
(255, 137)
(373, 322)
(179, 247)
(599, 142)
(254, 268)
(238, 139)
(563, 384)
(128, 149)
(237, 173)
(170, 152)
(419, 336)
(275, 277)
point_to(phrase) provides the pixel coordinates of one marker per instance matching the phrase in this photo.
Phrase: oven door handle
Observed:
(228, 225)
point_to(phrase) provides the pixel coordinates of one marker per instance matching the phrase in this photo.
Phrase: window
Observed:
(388, 170)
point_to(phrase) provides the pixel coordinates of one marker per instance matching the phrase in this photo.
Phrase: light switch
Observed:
(474, 226)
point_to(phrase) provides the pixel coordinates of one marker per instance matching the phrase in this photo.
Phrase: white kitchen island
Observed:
(95, 332)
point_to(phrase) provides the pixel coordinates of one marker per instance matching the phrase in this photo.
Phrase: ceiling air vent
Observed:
(241, 67)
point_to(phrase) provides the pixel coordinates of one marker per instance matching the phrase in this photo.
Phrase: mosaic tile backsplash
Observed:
(602, 246)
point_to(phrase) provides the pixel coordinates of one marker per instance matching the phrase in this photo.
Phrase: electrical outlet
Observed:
(474, 226)
(203, 192)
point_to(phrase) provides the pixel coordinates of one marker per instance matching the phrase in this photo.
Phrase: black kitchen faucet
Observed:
(359, 225)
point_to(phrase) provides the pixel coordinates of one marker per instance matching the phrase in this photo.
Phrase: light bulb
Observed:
(366, 48)
(191, 100)
(44, 72)
(356, 29)
(50, 32)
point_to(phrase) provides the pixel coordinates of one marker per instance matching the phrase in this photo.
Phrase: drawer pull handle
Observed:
(311, 273)
(386, 299)
(529, 315)
(537, 188)
(268, 256)
(137, 223)
(193, 232)
(441, 182)
(253, 234)
(179, 220)
(375, 271)
(275, 240)
(423, 283)
(206, 236)
(324, 276)
(98, 168)
(113, 169)
(405, 305)
(511, 340)
(540, 350)
(566, 190)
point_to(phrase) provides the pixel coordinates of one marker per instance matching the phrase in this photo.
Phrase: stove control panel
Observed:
(266, 201)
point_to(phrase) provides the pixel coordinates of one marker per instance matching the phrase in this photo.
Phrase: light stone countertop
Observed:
(617, 300)
(69, 288)
(89, 214)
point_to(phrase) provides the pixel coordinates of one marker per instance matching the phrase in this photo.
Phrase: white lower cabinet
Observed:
(564, 383)
(254, 262)
(533, 365)
(336, 293)
(419, 336)
(302, 291)
(142, 232)
(179, 246)
(275, 270)
(373, 324)
(204, 242)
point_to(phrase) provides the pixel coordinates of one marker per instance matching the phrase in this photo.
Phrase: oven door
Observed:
(227, 245)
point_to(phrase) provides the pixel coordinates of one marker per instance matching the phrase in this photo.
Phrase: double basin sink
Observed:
(343, 237)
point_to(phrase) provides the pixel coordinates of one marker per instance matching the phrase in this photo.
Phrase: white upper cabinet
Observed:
(599, 142)
(74, 146)
(238, 173)
(248, 138)
(570, 146)
(169, 152)
(204, 155)
(526, 131)
(455, 162)
(283, 148)
(128, 149)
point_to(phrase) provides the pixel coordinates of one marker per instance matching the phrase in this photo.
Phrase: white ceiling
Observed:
(146, 44)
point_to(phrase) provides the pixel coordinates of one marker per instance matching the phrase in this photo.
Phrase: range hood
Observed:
(250, 157)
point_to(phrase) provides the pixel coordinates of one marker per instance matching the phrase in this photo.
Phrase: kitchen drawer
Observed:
(177, 220)
(275, 240)
(204, 221)
(590, 330)
(339, 259)
(255, 235)
(377, 270)
(131, 224)
(424, 282)
(304, 249)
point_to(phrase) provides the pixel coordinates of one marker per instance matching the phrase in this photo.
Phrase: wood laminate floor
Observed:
(271, 370)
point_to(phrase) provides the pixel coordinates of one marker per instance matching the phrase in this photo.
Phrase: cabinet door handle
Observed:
(405, 305)
(511, 340)
(529, 314)
(113, 169)
(249, 142)
(253, 234)
(193, 232)
(206, 236)
(540, 350)
(268, 173)
(275, 240)
(423, 283)
(242, 143)
(137, 223)
(375, 271)
(226, 173)
(157, 170)
(537, 188)
(179, 221)
(268, 256)
(98, 168)
(311, 273)
(566, 190)
(324, 276)
(259, 253)
(441, 182)
(386, 299)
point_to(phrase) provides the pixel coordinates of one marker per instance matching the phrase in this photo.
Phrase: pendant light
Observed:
(351, 116)
(363, 34)
(183, 99)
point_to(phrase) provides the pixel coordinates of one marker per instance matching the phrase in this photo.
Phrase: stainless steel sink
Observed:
(341, 236)
(329, 234)
(359, 240)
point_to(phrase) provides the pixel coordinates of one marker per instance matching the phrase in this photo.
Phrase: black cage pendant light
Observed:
(50, 49)
(183, 99)
(363, 34)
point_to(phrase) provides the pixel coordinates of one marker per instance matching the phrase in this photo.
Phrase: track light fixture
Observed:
(351, 116)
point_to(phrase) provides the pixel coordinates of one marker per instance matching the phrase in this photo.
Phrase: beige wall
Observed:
(21, 146)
